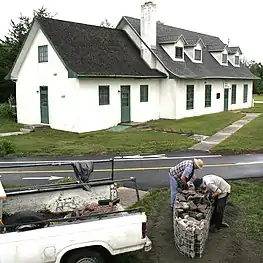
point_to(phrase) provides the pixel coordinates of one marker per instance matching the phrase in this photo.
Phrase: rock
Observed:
(202, 208)
(190, 198)
(185, 206)
(200, 216)
(192, 206)
(193, 213)
(179, 212)
(180, 197)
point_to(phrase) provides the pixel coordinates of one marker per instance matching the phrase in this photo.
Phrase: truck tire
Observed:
(86, 256)
(25, 217)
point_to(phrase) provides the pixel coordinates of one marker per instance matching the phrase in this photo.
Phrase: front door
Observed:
(44, 105)
(226, 93)
(125, 104)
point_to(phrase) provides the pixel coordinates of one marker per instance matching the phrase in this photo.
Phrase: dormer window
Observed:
(198, 54)
(237, 60)
(179, 53)
(224, 58)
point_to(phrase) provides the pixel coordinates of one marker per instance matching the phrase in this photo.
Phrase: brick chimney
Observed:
(148, 23)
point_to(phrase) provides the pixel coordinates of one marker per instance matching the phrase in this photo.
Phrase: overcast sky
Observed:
(239, 21)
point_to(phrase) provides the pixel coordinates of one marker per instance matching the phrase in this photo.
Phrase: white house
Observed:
(81, 78)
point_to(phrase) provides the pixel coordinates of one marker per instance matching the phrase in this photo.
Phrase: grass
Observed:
(204, 125)
(258, 97)
(8, 125)
(248, 139)
(48, 142)
(248, 195)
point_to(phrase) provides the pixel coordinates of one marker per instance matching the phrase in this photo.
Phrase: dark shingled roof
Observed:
(96, 51)
(210, 68)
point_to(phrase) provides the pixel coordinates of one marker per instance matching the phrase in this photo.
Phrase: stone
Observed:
(180, 198)
(202, 208)
(200, 216)
(192, 205)
(185, 206)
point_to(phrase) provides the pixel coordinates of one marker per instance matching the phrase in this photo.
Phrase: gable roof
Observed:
(210, 68)
(94, 51)
(233, 50)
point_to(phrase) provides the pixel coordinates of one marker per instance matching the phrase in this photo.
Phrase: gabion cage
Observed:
(191, 222)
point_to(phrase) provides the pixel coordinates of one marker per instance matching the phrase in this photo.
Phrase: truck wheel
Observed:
(86, 256)
(25, 217)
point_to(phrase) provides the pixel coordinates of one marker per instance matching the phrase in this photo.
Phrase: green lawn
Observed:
(204, 125)
(7, 125)
(248, 195)
(57, 143)
(258, 108)
(246, 140)
(258, 97)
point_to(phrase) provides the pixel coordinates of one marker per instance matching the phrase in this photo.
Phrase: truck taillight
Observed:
(144, 230)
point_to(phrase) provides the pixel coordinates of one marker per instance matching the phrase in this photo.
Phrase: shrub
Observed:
(5, 111)
(6, 147)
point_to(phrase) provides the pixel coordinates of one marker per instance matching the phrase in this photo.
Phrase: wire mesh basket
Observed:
(190, 233)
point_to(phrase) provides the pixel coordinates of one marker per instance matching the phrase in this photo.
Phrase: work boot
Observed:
(213, 229)
(225, 225)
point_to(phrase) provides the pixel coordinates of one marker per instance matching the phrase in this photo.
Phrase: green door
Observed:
(44, 105)
(226, 93)
(125, 104)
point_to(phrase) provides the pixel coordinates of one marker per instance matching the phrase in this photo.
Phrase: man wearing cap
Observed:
(219, 190)
(181, 174)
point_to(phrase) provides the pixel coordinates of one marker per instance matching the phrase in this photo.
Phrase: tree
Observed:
(106, 23)
(11, 45)
(257, 69)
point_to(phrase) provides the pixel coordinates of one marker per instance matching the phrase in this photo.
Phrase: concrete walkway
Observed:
(128, 196)
(6, 134)
(210, 142)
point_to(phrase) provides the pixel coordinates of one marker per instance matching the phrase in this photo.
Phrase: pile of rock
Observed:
(191, 220)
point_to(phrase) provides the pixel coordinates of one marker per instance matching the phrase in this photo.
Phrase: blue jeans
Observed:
(173, 187)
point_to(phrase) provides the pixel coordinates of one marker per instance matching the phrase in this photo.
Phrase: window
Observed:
(144, 93)
(237, 60)
(190, 97)
(217, 96)
(178, 52)
(245, 93)
(104, 95)
(224, 58)
(42, 54)
(208, 91)
(234, 94)
(198, 54)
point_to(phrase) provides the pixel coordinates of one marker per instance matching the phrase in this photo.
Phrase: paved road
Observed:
(150, 171)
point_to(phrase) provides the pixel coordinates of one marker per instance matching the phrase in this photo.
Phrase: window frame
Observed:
(223, 58)
(199, 50)
(208, 102)
(43, 54)
(104, 97)
(181, 48)
(237, 57)
(190, 100)
(245, 93)
(144, 93)
(234, 94)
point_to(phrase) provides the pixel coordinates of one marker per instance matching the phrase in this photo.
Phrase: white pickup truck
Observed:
(53, 232)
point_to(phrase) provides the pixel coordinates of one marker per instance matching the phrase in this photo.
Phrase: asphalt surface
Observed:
(150, 172)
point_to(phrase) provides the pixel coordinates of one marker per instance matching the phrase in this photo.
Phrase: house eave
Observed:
(80, 76)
